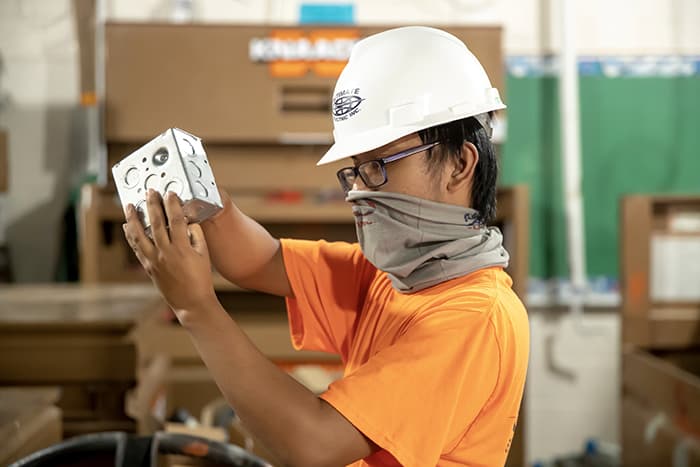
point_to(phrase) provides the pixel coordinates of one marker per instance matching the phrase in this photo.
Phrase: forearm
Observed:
(291, 421)
(244, 252)
(282, 413)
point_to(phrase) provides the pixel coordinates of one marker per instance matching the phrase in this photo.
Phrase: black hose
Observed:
(202, 448)
(120, 449)
(102, 447)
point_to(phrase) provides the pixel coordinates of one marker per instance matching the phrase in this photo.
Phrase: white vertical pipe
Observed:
(96, 137)
(571, 155)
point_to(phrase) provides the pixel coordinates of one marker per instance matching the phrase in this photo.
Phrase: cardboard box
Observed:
(649, 439)
(661, 406)
(144, 403)
(162, 388)
(70, 333)
(667, 381)
(28, 421)
(93, 400)
(268, 330)
(190, 388)
(40, 357)
(76, 338)
(184, 382)
(659, 266)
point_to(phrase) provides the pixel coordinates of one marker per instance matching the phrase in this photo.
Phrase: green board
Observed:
(639, 135)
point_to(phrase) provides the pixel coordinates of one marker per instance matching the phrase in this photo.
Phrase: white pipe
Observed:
(571, 157)
(96, 137)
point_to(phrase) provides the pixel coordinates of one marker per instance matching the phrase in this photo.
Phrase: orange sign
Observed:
(292, 53)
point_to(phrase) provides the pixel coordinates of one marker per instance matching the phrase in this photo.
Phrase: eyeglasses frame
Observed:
(382, 164)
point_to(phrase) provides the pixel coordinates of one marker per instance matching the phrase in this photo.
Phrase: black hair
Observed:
(451, 136)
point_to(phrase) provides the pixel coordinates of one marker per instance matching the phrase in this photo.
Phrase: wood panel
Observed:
(648, 321)
(200, 78)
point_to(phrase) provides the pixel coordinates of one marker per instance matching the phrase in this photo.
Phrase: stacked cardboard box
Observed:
(76, 338)
(660, 271)
(186, 383)
(29, 421)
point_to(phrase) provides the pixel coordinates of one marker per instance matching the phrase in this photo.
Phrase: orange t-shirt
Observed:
(434, 377)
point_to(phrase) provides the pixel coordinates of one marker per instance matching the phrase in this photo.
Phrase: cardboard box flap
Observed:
(667, 381)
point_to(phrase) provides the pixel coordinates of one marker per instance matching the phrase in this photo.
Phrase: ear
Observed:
(462, 167)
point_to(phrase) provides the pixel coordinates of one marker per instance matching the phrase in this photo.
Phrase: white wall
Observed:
(39, 51)
(573, 382)
(531, 26)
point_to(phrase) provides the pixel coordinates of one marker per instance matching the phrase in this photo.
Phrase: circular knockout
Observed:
(131, 177)
(175, 186)
(200, 191)
(194, 169)
(152, 182)
(188, 147)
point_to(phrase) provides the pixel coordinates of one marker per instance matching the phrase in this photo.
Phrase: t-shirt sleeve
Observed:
(329, 282)
(416, 397)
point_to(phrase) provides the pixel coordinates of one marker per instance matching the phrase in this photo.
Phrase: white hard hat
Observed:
(401, 81)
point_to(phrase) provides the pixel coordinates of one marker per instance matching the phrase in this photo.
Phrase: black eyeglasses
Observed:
(373, 172)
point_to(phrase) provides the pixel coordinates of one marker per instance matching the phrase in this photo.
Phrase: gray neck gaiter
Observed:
(421, 243)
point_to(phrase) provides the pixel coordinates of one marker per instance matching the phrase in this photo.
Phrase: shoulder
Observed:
(477, 292)
(483, 298)
(323, 250)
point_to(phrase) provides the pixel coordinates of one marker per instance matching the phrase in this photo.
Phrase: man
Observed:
(434, 341)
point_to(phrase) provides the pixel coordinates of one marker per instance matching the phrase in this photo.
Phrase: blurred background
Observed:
(599, 201)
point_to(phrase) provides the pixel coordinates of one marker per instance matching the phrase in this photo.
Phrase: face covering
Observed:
(421, 243)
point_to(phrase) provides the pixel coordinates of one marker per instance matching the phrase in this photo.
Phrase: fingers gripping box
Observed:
(173, 161)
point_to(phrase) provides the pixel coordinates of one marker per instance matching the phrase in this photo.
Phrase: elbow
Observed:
(308, 458)
(309, 452)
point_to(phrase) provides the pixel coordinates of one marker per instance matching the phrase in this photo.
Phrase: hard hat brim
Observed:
(378, 137)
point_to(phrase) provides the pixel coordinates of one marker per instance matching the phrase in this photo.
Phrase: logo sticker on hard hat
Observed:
(346, 103)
